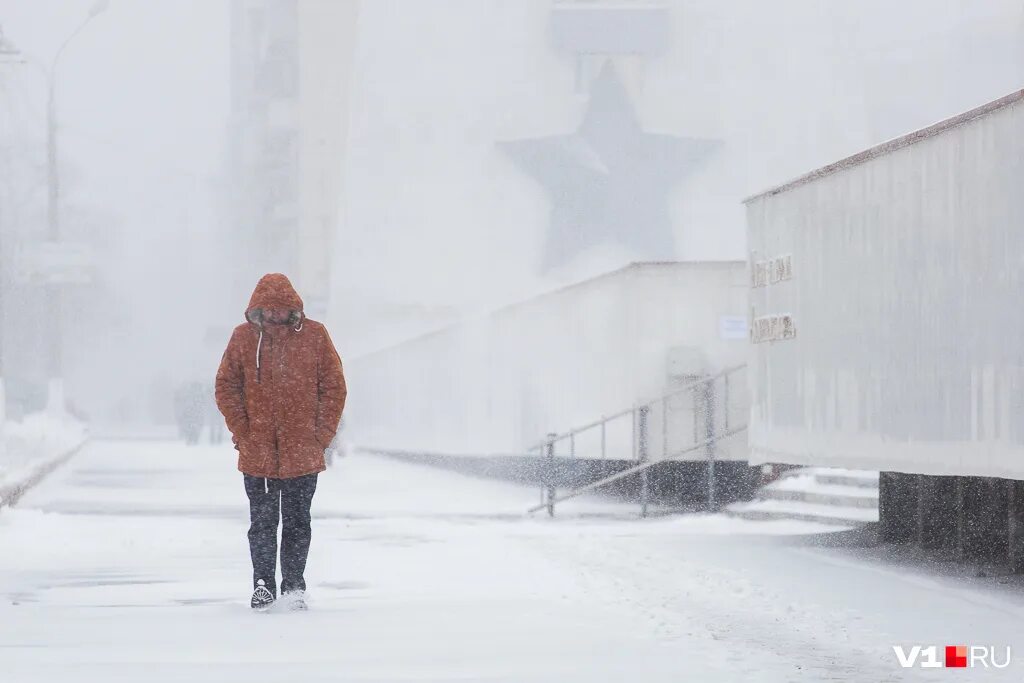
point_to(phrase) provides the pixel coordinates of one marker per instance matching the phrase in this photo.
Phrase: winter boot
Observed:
(262, 597)
(295, 601)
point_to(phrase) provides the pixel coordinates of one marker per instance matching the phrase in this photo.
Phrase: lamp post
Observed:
(9, 54)
(55, 398)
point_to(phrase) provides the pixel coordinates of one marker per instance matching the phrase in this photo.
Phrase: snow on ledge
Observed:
(33, 447)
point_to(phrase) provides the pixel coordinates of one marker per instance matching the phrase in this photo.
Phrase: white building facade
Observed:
(291, 63)
(896, 276)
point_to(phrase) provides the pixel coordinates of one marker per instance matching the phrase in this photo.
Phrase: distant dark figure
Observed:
(188, 411)
(213, 417)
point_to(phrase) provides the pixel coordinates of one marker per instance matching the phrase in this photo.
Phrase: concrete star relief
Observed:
(609, 182)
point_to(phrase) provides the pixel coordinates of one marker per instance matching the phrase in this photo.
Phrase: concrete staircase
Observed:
(834, 497)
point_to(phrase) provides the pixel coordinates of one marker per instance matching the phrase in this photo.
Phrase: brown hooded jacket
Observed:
(280, 387)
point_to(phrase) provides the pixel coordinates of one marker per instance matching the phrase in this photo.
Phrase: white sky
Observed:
(143, 90)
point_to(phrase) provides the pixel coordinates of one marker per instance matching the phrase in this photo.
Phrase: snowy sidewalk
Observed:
(131, 564)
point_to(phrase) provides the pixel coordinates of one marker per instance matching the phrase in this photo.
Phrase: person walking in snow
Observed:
(281, 389)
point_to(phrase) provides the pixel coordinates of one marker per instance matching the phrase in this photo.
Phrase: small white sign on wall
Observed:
(733, 327)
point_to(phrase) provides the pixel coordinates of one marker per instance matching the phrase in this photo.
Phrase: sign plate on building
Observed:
(771, 271)
(733, 327)
(771, 328)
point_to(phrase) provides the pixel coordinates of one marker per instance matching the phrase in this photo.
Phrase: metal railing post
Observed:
(709, 435)
(725, 402)
(549, 474)
(633, 445)
(664, 428)
(642, 457)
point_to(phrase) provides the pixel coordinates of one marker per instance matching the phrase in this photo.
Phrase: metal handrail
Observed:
(706, 435)
(633, 470)
(557, 438)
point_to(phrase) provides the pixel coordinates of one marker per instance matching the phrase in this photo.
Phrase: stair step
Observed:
(822, 497)
(777, 515)
(836, 477)
(843, 480)
(834, 497)
(814, 484)
(791, 509)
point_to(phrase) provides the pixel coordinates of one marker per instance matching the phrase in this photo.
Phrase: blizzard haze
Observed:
(423, 217)
(616, 409)
(142, 104)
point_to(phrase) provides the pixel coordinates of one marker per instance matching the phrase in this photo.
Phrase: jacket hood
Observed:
(273, 291)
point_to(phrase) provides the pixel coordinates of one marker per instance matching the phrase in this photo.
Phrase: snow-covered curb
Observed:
(32, 449)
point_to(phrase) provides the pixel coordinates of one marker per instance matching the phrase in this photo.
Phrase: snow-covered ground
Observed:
(130, 564)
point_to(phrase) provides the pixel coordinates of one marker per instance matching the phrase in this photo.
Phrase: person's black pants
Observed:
(287, 500)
